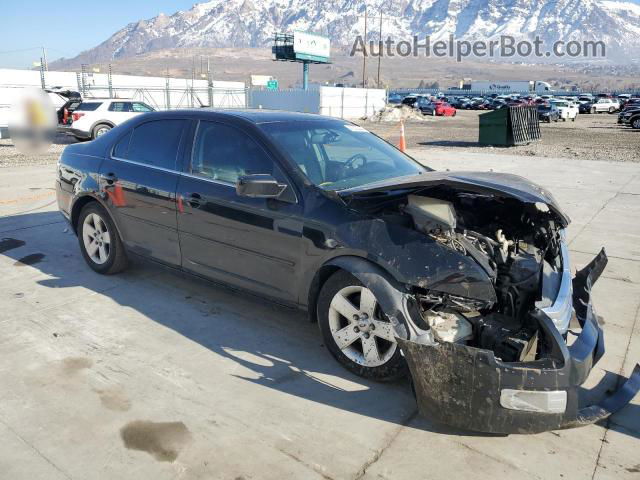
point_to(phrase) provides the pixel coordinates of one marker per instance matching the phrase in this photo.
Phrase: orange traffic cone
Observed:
(402, 146)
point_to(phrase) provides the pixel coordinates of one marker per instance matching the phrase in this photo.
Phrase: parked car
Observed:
(443, 109)
(607, 105)
(426, 106)
(65, 101)
(630, 117)
(548, 113)
(394, 99)
(585, 99)
(95, 117)
(568, 110)
(585, 107)
(451, 276)
(625, 115)
(410, 100)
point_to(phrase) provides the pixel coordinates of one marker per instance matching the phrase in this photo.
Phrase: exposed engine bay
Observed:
(483, 300)
(514, 243)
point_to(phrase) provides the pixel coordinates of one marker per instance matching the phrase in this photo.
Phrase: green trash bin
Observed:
(509, 126)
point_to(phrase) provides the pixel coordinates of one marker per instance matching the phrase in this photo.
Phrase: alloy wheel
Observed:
(359, 328)
(96, 238)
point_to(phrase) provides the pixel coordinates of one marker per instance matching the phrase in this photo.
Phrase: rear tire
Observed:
(99, 241)
(100, 130)
(367, 346)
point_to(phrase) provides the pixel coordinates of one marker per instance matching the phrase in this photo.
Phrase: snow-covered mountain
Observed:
(252, 23)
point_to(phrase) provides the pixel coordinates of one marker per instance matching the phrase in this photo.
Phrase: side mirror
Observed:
(259, 186)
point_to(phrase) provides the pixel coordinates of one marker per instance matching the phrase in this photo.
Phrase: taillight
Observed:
(76, 116)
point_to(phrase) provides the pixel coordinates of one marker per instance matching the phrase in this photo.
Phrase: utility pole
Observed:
(380, 48)
(364, 54)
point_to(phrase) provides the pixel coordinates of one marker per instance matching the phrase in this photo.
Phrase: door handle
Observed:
(195, 200)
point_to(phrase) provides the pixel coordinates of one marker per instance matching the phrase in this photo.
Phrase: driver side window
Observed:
(224, 154)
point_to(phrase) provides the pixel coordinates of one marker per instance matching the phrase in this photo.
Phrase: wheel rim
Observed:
(96, 238)
(636, 123)
(359, 328)
(101, 131)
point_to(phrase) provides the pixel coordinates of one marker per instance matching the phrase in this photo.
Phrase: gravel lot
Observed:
(10, 157)
(590, 137)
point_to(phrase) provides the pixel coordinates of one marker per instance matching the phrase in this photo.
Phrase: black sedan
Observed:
(462, 279)
(585, 107)
(548, 113)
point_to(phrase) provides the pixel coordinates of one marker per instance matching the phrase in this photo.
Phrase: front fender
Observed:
(413, 258)
(397, 302)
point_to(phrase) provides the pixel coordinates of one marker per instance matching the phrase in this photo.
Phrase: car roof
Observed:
(102, 100)
(256, 116)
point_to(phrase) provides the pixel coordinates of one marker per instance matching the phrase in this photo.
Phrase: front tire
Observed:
(99, 241)
(635, 124)
(356, 331)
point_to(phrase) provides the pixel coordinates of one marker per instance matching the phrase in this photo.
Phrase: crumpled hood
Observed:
(499, 184)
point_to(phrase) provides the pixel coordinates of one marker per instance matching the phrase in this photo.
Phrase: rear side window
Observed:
(122, 147)
(88, 106)
(120, 107)
(156, 143)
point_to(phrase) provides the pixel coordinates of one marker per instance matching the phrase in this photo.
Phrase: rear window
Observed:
(156, 143)
(88, 106)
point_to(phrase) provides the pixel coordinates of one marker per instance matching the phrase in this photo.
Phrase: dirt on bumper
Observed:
(466, 387)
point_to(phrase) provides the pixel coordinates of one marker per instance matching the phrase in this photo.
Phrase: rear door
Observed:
(252, 243)
(139, 178)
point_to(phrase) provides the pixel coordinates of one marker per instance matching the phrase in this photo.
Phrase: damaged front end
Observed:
(468, 387)
(505, 363)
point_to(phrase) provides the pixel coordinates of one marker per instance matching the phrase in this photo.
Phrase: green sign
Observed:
(272, 85)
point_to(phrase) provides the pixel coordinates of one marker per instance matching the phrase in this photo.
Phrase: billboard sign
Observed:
(309, 46)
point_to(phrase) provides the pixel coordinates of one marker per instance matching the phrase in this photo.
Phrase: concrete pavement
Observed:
(149, 374)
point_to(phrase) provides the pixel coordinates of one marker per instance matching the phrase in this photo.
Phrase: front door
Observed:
(252, 243)
(140, 179)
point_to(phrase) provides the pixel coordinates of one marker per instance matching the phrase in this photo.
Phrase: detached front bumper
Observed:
(469, 388)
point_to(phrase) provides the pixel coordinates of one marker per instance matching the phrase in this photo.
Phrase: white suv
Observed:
(568, 110)
(95, 117)
(605, 105)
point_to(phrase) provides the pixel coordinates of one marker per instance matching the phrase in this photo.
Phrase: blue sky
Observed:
(67, 28)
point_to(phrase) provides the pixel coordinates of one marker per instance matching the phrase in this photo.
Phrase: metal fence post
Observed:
(209, 84)
(84, 78)
(366, 102)
(167, 93)
(42, 82)
(110, 82)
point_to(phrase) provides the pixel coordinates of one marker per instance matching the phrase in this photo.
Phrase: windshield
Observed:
(335, 155)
